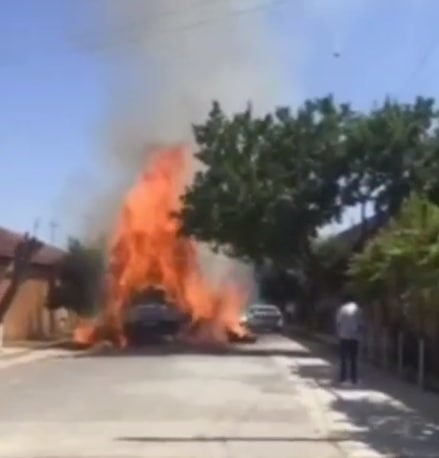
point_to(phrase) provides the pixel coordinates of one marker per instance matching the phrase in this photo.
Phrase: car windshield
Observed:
(145, 309)
(264, 309)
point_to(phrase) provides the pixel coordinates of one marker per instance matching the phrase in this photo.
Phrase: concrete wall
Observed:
(28, 318)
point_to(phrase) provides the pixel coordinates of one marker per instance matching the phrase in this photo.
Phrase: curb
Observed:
(301, 332)
(9, 356)
(29, 349)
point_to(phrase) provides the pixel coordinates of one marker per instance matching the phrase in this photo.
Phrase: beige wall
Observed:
(28, 318)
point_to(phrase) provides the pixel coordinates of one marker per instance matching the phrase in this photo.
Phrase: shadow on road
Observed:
(164, 350)
(384, 413)
(152, 439)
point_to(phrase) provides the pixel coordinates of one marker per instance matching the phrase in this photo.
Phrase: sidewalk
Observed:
(23, 352)
(12, 352)
(384, 417)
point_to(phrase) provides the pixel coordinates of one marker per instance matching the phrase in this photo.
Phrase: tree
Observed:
(280, 286)
(80, 279)
(400, 267)
(268, 183)
(331, 257)
(388, 150)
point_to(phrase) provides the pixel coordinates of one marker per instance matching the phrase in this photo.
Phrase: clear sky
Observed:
(52, 97)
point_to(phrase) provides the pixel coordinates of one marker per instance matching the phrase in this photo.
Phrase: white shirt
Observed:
(349, 321)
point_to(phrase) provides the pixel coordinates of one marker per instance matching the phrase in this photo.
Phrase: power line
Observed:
(191, 26)
(168, 13)
(424, 58)
(121, 41)
(9, 60)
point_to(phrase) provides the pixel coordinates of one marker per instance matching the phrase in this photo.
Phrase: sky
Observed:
(54, 92)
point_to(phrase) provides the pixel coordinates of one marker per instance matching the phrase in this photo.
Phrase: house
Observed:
(339, 251)
(353, 240)
(356, 236)
(28, 317)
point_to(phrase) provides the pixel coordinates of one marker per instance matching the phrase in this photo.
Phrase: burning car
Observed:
(147, 248)
(151, 317)
(247, 337)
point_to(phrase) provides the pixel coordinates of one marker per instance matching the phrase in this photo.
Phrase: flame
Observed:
(147, 251)
(85, 332)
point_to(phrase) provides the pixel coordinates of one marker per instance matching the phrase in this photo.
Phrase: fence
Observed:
(397, 348)
(402, 350)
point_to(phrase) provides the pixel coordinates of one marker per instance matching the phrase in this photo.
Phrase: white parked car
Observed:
(264, 317)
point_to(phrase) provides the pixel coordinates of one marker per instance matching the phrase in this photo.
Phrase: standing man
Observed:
(349, 328)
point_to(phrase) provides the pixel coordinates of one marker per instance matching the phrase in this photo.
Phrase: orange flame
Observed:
(85, 332)
(147, 251)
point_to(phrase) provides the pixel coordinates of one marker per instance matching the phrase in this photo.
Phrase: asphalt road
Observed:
(161, 403)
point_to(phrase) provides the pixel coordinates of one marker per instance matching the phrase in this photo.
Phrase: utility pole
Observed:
(36, 227)
(54, 226)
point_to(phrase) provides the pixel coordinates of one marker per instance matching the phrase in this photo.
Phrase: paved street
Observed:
(272, 399)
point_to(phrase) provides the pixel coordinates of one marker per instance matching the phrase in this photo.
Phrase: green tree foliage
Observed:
(331, 251)
(280, 286)
(388, 154)
(331, 255)
(268, 183)
(80, 279)
(401, 265)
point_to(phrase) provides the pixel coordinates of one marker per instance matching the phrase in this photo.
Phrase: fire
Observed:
(85, 332)
(147, 251)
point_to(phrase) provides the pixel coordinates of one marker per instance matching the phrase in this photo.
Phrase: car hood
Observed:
(151, 311)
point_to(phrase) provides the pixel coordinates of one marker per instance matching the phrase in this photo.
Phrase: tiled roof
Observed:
(47, 255)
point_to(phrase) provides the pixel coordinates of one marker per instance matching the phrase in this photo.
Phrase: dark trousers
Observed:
(348, 360)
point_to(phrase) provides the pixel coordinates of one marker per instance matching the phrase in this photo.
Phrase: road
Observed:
(272, 399)
(160, 404)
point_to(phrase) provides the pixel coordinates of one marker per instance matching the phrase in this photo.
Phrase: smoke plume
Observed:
(183, 57)
(168, 61)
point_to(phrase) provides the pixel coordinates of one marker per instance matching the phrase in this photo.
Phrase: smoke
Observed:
(167, 62)
(184, 57)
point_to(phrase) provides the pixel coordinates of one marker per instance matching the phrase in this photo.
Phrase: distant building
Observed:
(357, 235)
(333, 283)
(28, 318)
